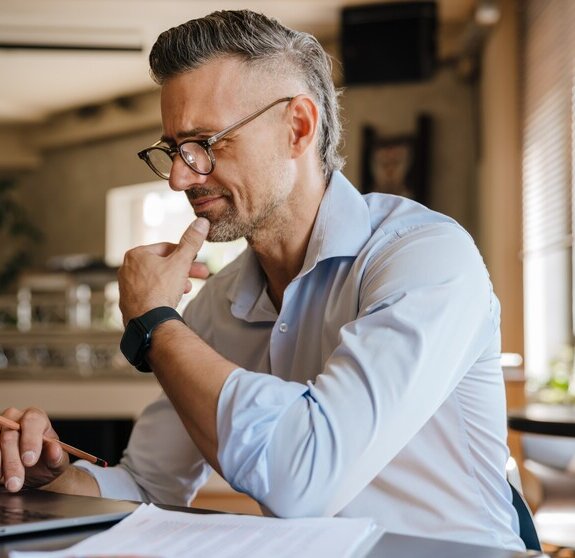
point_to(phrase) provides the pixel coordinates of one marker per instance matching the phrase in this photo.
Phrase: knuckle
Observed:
(33, 416)
(9, 436)
(192, 240)
(11, 462)
(34, 412)
(12, 467)
(129, 256)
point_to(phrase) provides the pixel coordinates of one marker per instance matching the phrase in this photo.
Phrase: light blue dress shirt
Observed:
(377, 390)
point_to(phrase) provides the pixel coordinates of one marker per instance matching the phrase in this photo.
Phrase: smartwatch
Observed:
(137, 337)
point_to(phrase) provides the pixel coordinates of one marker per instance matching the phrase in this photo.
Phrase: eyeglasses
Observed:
(197, 154)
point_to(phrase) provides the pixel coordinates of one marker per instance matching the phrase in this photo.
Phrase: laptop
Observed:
(28, 511)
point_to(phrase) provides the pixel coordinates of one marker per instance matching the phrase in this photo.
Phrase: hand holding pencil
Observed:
(30, 453)
(66, 447)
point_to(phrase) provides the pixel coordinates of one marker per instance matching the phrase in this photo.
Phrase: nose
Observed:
(183, 177)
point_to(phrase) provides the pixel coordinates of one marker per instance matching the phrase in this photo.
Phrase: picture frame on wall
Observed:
(397, 164)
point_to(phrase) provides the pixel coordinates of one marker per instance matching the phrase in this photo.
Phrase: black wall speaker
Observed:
(390, 42)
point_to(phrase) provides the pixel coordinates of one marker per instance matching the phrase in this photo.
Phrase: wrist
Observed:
(137, 338)
(74, 481)
(139, 309)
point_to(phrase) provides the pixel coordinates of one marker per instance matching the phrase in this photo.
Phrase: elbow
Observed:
(290, 484)
(286, 502)
(289, 464)
(302, 489)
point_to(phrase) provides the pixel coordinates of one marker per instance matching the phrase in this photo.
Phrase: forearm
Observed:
(74, 481)
(192, 375)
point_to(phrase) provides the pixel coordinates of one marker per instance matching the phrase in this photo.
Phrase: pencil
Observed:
(66, 447)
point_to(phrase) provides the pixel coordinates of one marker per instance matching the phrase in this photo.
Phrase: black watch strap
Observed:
(154, 317)
(146, 323)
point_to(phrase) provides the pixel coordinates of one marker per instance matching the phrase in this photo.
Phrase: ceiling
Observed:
(37, 83)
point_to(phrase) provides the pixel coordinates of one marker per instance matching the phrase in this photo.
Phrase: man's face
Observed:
(252, 178)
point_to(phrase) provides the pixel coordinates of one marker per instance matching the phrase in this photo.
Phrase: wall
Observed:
(65, 195)
(500, 173)
(450, 101)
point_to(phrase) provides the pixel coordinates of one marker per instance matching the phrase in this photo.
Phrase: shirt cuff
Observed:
(114, 482)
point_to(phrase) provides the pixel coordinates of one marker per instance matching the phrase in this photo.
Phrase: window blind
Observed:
(547, 85)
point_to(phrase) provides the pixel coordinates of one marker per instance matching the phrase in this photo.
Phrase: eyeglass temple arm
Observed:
(245, 120)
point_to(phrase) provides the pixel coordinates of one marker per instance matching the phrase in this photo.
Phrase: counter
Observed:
(81, 398)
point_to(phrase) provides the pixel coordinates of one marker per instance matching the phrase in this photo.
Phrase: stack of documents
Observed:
(152, 532)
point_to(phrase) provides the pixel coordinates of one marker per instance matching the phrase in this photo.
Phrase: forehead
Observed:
(210, 96)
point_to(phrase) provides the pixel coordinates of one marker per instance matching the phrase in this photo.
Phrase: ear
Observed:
(304, 116)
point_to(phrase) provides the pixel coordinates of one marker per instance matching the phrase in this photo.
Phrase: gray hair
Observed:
(255, 39)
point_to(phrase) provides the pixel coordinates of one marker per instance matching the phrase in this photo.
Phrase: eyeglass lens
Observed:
(193, 154)
(196, 157)
(160, 161)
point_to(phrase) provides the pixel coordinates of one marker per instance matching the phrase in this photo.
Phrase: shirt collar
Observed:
(341, 228)
(342, 225)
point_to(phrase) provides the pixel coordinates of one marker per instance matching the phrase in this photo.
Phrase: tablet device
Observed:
(28, 511)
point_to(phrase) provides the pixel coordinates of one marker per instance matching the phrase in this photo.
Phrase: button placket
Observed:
(279, 339)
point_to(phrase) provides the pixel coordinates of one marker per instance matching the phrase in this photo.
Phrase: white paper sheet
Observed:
(153, 532)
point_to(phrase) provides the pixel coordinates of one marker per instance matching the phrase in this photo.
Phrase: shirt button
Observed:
(283, 327)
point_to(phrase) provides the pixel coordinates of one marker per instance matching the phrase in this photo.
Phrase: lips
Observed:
(204, 201)
(202, 198)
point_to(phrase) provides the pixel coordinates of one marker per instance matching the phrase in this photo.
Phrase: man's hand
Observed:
(158, 274)
(25, 458)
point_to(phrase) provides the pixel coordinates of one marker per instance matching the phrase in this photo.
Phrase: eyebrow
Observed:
(188, 134)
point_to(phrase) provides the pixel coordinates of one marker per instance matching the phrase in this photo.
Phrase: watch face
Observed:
(133, 343)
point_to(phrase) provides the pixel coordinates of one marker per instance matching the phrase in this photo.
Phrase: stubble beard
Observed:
(229, 225)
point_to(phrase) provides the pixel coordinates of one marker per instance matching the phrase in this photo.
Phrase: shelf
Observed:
(63, 353)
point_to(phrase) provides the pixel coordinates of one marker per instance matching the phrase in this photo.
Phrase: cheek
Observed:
(231, 180)
(250, 172)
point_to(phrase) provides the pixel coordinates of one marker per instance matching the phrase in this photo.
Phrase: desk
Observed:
(389, 545)
(540, 418)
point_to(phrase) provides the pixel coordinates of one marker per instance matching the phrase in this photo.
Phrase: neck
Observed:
(281, 247)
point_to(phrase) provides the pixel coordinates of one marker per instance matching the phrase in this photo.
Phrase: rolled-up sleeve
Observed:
(424, 317)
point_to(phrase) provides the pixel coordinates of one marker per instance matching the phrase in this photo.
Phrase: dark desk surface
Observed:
(540, 418)
(389, 545)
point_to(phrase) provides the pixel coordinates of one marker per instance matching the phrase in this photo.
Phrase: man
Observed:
(346, 363)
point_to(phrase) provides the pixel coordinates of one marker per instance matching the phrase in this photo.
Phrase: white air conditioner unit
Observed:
(36, 37)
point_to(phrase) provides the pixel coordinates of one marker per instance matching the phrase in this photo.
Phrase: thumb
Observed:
(194, 237)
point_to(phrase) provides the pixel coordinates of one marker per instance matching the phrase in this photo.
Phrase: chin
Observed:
(225, 227)
(224, 232)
